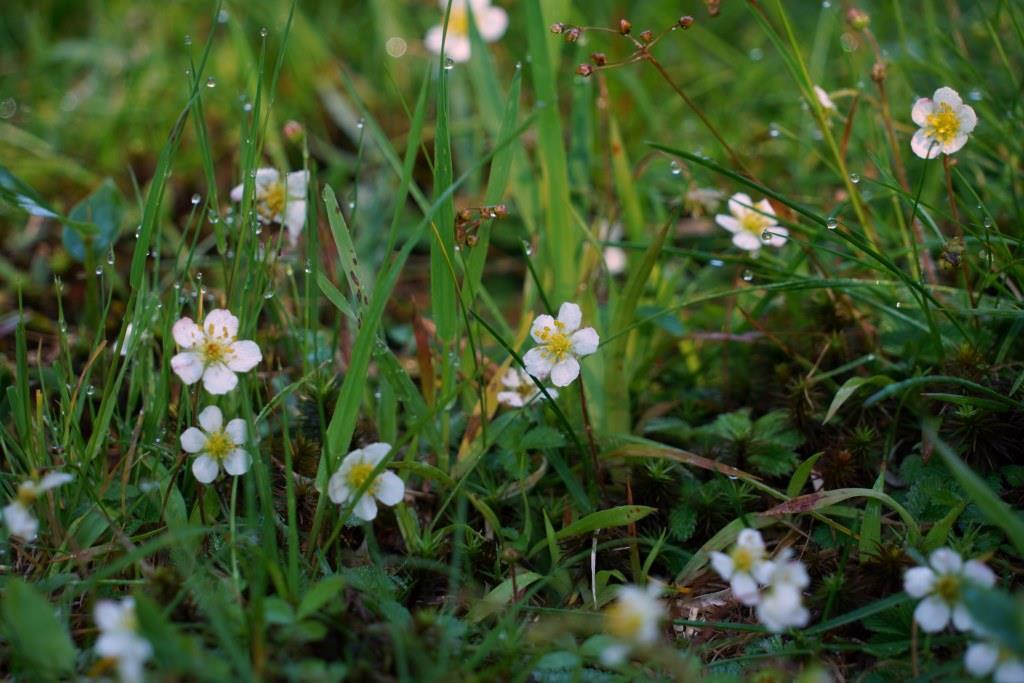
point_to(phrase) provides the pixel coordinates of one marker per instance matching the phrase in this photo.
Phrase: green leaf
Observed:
(937, 535)
(848, 389)
(602, 519)
(802, 474)
(39, 641)
(823, 499)
(102, 209)
(1000, 615)
(501, 595)
(319, 595)
(542, 437)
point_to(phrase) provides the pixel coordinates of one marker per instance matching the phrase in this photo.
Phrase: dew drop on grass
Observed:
(211, 82)
(528, 248)
(899, 304)
(748, 275)
(975, 95)
(675, 168)
(252, 174)
(449, 63)
(223, 16)
(826, 4)
(188, 40)
(264, 32)
(351, 206)
(767, 235)
(8, 107)
(90, 390)
(196, 198)
(309, 267)
(831, 223)
(269, 294)
(360, 124)
(756, 55)
(247, 106)
(773, 131)
(110, 257)
(99, 271)
(716, 263)
(987, 221)
(854, 178)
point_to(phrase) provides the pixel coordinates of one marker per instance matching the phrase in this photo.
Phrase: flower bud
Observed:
(599, 58)
(572, 34)
(625, 26)
(858, 19)
(878, 72)
(685, 21)
(584, 70)
(557, 27)
(647, 36)
(500, 211)
(293, 131)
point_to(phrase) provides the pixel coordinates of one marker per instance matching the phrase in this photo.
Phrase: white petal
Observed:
(432, 41)
(108, 615)
(221, 324)
(211, 419)
(924, 146)
(337, 489)
(765, 208)
(537, 363)
(946, 561)
(740, 204)
(615, 654)
(218, 379)
(243, 356)
(205, 469)
(747, 240)
(390, 488)
(375, 452)
(962, 620)
(541, 323)
(188, 366)
(366, 508)
(115, 643)
(979, 573)
(186, 333)
(458, 48)
(722, 564)
(922, 108)
(752, 540)
(764, 572)
(585, 341)
(564, 372)
(296, 184)
(492, 23)
(823, 99)
(980, 659)
(236, 431)
(968, 118)
(264, 178)
(932, 614)
(918, 581)
(20, 522)
(954, 145)
(744, 588)
(512, 379)
(512, 399)
(54, 479)
(779, 236)
(730, 223)
(295, 219)
(236, 193)
(238, 462)
(947, 96)
(615, 260)
(1010, 671)
(193, 440)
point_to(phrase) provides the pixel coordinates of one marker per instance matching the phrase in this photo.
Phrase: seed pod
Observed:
(647, 36)
(685, 21)
(572, 34)
(584, 70)
(625, 26)
(557, 27)
(599, 58)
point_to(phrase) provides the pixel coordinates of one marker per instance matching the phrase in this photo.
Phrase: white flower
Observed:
(752, 224)
(355, 470)
(491, 22)
(632, 619)
(560, 343)
(700, 201)
(218, 446)
(18, 514)
(745, 566)
(521, 389)
(946, 122)
(982, 659)
(781, 605)
(213, 352)
(823, 99)
(941, 586)
(281, 202)
(119, 638)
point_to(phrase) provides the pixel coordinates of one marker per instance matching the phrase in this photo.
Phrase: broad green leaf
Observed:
(319, 595)
(501, 595)
(848, 389)
(102, 209)
(602, 519)
(38, 640)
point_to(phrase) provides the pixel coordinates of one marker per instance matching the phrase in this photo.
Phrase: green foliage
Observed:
(39, 640)
(768, 444)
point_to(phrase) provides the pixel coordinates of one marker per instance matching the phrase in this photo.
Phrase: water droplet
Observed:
(756, 55)
(351, 206)
(99, 271)
(831, 223)
(214, 216)
(223, 16)
(264, 32)
(252, 173)
(202, 291)
(177, 286)
(826, 4)
(767, 236)
(196, 198)
(675, 168)
(247, 106)
(716, 263)
(899, 304)
(269, 294)
(110, 257)
(188, 40)
(8, 107)
(449, 63)
(748, 275)
(309, 267)
(211, 82)
(519, 65)
(138, 231)
(188, 73)
(773, 131)
(528, 248)
(854, 178)
(360, 123)
(259, 229)
(987, 221)
(90, 390)
(975, 95)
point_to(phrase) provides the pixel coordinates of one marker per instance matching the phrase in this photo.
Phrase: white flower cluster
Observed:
(119, 638)
(773, 587)
(632, 620)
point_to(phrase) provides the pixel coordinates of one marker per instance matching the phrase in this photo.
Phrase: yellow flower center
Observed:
(742, 560)
(948, 588)
(219, 445)
(458, 22)
(557, 343)
(273, 201)
(27, 493)
(526, 389)
(754, 222)
(358, 475)
(943, 124)
(623, 622)
(213, 351)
